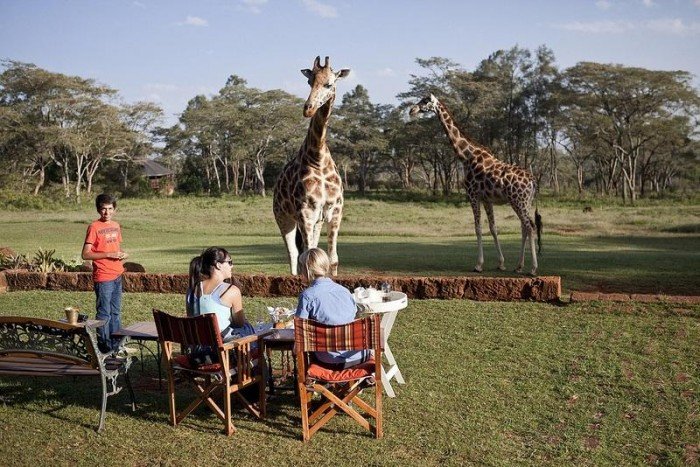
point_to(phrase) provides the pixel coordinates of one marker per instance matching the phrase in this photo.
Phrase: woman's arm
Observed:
(232, 298)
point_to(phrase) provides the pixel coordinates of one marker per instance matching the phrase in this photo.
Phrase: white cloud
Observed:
(253, 5)
(597, 27)
(673, 26)
(649, 3)
(160, 87)
(697, 3)
(320, 9)
(603, 4)
(139, 4)
(194, 21)
(386, 72)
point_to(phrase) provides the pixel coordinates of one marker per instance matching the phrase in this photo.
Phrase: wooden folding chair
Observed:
(340, 389)
(238, 366)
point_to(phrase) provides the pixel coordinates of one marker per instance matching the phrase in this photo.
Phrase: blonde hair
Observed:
(315, 263)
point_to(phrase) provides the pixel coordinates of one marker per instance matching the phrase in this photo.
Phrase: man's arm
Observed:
(89, 254)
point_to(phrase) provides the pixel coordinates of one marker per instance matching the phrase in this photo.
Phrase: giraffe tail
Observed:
(538, 226)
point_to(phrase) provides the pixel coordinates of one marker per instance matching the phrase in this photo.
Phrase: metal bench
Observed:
(41, 347)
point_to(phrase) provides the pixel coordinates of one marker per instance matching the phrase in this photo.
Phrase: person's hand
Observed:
(123, 255)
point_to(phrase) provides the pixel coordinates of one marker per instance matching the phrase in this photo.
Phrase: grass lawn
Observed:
(487, 383)
(653, 247)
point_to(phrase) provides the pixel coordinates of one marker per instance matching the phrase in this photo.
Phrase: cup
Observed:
(386, 288)
(71, 315)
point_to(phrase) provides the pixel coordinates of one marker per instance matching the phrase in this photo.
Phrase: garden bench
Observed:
(41, 347)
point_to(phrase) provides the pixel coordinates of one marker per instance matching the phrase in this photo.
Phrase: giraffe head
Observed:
(322, 80)
(427, 104)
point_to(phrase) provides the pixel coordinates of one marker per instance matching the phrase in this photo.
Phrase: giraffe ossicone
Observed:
(490, 181)
(309, 190)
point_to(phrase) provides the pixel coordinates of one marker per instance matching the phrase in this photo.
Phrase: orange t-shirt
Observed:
(105, 237)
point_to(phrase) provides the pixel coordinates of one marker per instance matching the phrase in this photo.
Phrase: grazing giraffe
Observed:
(309, 190)
(490, 181)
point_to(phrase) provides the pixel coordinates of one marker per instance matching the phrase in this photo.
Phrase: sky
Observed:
(168, 51)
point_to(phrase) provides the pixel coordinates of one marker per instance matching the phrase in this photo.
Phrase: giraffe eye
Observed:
(328, 86)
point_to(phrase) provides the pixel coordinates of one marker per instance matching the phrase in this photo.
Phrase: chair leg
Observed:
(101, 426)
(262, 397)
(304, 398)
(171, 398)
(227, 410)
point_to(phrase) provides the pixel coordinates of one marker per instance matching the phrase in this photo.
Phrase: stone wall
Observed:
(541, 289)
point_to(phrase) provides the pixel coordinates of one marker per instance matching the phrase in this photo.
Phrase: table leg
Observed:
(393, 366)
(386, 384)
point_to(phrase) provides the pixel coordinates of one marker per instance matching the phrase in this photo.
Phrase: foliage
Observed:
(594, 128)
(66, 122)
(43, 261)
(17, 261)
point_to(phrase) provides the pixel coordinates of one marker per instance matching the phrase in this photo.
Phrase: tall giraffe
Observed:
(309, 190)
(490, 181)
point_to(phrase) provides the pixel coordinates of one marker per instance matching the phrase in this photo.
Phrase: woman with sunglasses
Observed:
(209, 293)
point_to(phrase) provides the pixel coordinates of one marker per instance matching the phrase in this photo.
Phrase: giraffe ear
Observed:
(308, 73)
(342, 73)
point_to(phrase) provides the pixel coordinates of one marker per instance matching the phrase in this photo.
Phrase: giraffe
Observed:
(490, 181)
(309, 190)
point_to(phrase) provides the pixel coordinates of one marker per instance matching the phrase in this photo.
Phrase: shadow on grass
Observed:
(80, 392)
(609, 264)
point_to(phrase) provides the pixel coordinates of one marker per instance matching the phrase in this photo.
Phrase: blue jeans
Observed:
(109, 309)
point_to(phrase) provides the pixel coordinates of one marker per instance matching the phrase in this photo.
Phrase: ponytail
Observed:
(193, 291)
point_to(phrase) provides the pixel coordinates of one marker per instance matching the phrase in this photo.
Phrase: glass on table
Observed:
(386, 289)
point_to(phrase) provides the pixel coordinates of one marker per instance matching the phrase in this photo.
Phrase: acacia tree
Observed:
(627, 105)
(46, 108)
(50, 118)
(360, 133)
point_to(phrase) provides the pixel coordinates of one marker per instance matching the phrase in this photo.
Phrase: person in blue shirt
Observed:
(328, 303)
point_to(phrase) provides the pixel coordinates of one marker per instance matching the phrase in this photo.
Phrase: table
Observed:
(140, 332)
(281, 340)
(389, 309)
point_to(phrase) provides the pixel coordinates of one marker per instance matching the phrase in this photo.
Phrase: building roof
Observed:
(154, 169)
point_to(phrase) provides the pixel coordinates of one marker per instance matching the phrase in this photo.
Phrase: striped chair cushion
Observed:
(318, 372)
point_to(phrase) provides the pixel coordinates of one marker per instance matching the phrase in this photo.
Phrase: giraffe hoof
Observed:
(501, 268)
(477, 269)
(518, 270)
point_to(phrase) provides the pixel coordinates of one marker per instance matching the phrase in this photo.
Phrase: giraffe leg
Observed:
(332, 228)
(288, 229)
(476, 208)
(316, 236)
(533, 271)
(527, 230)
(523, 240)
(494, 233)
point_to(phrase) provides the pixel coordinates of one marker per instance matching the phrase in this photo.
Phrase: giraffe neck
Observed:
(464, 147)
(315, 145)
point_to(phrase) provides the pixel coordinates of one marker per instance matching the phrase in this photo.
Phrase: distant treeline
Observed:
(607, 129)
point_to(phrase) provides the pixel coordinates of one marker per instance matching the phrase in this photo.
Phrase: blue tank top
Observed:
(211, 304)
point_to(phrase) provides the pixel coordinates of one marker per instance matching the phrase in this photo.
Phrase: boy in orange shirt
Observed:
(103, 246)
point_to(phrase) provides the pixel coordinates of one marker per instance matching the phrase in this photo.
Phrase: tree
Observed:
(627, 106)
(361, 134)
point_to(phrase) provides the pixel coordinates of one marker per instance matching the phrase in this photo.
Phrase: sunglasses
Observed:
(230, 263)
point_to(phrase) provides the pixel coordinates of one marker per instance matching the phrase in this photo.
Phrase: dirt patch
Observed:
(634, 297)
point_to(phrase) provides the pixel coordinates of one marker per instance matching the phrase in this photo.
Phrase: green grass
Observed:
(652, 247)
(487, 383)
